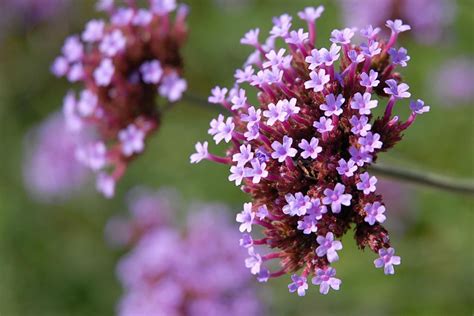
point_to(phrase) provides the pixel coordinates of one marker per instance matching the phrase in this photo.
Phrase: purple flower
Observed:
(310, 149)
(87, 103)
(360, 156)
(299, 285)
(76, 73)
(387, 260)
(342, 37)
(142, 17)
(275, 59)
(314, 59)
(360, 125)
(122, 16)
(454, 81)
(318, 80)
(333, 105)
(308, 225)
(283, 150)
(369, 31)
(132, 140)
(397, 26)
(371, 49)
(224, 131)
(173, 87)
(239, 100)
(246, 218)
(336, 198)
(113, 43)
(289, 107)
(201, 152)
(92, 155)
(397, 90)
(323, 56)
(367, 183)
(274, 113)
(346, 168)
(355, 57)
(244, 156)
(311, 14)
(328, 247)
(253, 116)
(151, 72)
(262, 212)
(60, 66)
(374, 213)
(297, 37)
(237, 174)
(298, 204)
(370, 142)
(163, 7)
(363, 103)
(73, 50)
(254, 262)
(106, 185)
(281, 26)
(50, 170)
(104, 73)
(244, 75)
(399, 57)
(324, 125)
(419, 107)
(246, 241)
(257, 172)
(369, 80)
(217, 281)
(218, 95)
(94, 31)
(325, 278)
(251, 38)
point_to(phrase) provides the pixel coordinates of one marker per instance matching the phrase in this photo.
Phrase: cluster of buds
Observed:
(158, 280)
(123, 65)
(304, 152)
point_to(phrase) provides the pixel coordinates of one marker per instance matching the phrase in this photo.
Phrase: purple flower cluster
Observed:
(428, 27)
(193, 270)
(123, 64)
(302, 151)
(50, 171)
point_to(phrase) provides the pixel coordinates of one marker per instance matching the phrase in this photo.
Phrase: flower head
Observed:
(123, 63)
(302, 148)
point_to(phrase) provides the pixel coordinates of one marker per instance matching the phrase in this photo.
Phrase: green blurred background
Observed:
(53, 257)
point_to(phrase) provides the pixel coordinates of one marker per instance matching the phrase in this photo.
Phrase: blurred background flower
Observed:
(182, 267)
(50, 169)
(455, 81)
(430, 19)
(53, 257)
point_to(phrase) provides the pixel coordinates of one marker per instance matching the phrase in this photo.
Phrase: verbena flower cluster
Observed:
(303, 150)
(430, 18)
(193, 270)
(122, 64)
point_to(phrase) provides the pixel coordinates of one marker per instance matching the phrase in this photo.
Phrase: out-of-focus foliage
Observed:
(53, 257)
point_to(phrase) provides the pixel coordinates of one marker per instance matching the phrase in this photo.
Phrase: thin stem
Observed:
(465, 186)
